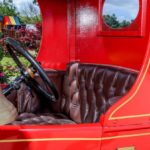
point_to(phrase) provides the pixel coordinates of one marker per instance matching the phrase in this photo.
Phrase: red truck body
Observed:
(67, 38)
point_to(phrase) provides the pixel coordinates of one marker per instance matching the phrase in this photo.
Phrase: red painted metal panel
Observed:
(134, 107)
(138, 139)
(127, 51)
(50, 137)
(54, 52)
(70, 34)
(136, 28)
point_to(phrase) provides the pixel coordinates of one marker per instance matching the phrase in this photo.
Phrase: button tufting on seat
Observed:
(98, 87)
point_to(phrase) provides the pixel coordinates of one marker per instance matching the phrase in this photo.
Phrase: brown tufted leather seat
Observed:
(86, 92)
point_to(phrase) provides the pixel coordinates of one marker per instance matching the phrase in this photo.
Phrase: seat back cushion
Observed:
(90, 90)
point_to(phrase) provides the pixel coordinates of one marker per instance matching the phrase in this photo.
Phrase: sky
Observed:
(123, 9)
(20, 3)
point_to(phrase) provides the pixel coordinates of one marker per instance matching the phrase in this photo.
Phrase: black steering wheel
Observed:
(28, 74)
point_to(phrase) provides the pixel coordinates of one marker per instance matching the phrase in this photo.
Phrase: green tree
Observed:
(35, 2)
(111, 21)
(30, 14)
(124, 23)
(7, 8)
(30, 20)
(2, 77)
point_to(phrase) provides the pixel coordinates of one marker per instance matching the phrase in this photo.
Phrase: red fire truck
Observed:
(88, 89)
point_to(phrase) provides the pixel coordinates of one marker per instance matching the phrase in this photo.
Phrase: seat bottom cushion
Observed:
(42, 119)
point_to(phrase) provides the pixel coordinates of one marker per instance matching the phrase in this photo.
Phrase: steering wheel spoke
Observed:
(38, 88)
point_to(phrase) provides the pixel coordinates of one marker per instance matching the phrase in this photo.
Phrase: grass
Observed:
(10, 68)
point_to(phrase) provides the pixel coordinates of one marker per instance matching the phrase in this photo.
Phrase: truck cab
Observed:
(88, 87)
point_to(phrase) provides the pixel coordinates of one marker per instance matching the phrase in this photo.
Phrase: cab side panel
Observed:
(66, 137)
(133, 139)
(54, 51)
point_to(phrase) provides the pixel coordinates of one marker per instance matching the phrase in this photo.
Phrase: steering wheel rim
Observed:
(13, 46)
